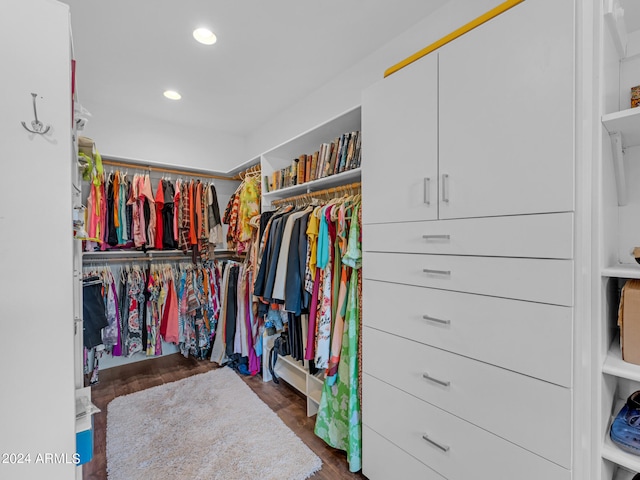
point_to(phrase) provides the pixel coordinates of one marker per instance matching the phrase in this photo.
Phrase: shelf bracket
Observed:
(618, 166)
(614, 17)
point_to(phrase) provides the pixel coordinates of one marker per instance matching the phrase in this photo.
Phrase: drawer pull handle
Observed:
(444, 448)
(436, 320)
(426, 191)
(437, 272)
(444, 383)
(436, 237)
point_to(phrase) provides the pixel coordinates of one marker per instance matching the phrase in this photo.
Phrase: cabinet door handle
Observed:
(437, 272)
(444, 448)
(445, 188)
(436, 237)
(444, 383)
(426, 191)
(436, 320)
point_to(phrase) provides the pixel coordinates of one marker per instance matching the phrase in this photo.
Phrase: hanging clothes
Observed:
(159, 204)
(123, 213)
(309, 282)
(341, 427)
(243, 205)
(178, 305)
(213, 213)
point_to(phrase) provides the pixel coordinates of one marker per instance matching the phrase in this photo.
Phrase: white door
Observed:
(506, 114)
(36, 300)
(400, 145)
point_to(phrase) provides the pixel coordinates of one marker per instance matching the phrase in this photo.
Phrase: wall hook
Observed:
(37, 125)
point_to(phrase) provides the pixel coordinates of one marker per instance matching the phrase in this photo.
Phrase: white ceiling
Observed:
(269, 54)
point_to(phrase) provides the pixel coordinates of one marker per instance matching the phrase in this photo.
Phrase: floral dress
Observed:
(339, 420)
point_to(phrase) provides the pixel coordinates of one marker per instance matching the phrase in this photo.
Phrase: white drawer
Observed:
(382, 460)
(545, 281)
(533, 236)
(530, 338)
(465, 451)
(492, 398)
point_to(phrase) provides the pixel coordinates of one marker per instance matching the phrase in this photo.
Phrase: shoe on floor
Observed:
(625, 429)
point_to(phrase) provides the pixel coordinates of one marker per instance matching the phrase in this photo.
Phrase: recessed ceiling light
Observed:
(204, 35)
(172, 95)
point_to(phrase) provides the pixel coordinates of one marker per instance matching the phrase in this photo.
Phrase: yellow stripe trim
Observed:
(503, 7)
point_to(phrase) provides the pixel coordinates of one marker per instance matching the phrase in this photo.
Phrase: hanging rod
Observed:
(133, 256)
(253, 169)
(318, 193)
(175, 171)
(151, 255)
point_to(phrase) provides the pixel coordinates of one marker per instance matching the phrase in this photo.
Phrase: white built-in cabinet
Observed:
(506, 103)
(617, 212)
(478, 128)
(400, 116)
(469, 294)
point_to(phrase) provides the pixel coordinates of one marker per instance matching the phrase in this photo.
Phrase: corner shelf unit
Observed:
(307, 143)
(618, 205)
(294, 372)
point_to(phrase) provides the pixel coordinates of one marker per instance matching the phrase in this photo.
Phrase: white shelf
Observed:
(321, 183)
(317, 380)
(614, 365)
(625, 122)
(295, 364)
(292, 372)
(622, 270)
(295, 374)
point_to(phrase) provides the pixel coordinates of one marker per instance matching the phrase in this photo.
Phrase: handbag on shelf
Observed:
(280, 348)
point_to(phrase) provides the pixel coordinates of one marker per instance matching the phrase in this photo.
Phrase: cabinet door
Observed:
(400, 145)
(506, 114)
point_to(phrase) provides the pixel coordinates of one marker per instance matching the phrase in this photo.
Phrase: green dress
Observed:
(339, 420)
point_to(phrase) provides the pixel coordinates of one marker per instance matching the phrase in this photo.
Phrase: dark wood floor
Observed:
(290, 406)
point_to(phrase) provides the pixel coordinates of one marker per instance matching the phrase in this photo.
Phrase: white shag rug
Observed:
(208, 426)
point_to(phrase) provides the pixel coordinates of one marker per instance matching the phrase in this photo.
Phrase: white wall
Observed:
(37, 402)
(344, 92)
(133, 136)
